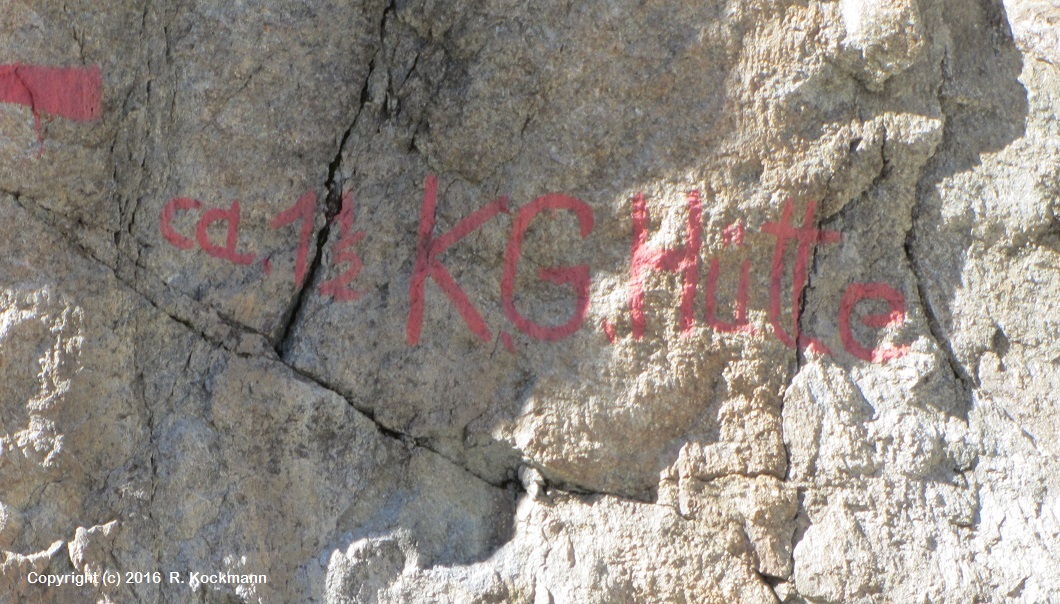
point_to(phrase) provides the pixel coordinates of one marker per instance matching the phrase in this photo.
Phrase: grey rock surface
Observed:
(483, 301)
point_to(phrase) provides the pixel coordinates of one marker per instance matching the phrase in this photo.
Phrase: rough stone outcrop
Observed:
(486, 301)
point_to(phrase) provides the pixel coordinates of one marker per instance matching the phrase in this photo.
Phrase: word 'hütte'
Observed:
(684, 261)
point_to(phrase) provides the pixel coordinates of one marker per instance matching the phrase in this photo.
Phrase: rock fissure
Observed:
(231, 339)
(964, 381)
(333, 201)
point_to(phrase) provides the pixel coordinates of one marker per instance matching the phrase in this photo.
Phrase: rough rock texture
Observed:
(488, 301)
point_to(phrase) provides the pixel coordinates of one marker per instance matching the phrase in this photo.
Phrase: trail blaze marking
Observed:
(574, 276)
(732, 234)
(338, 287)
(74, 93)
(228, 250)
(871, 291)
(429, 248)
(303, 210)
(168, 212)
(683, 261)
(807, 237)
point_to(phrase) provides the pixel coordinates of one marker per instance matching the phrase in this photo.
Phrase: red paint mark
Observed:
(74, 93)
(857, 292)
(165, 221)
(740, 323)
(808, 237)
(506, 339)
(303, 210)
(681, 260)
(815, 347)
(345, 254)
(609, 330)
(429, 248)
(228, 252)
(733, 234)
(575, 276)
(266, 263)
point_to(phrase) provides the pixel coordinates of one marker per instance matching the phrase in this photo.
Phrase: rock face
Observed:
(486, 301)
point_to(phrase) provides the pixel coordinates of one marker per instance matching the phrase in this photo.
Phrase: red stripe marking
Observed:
(506, 339)
(74, 93)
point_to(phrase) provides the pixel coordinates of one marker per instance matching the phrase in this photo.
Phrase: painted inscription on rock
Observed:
(685, 262)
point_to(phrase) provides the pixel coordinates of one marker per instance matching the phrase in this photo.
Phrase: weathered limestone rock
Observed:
(883, 38)
(478, 301)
